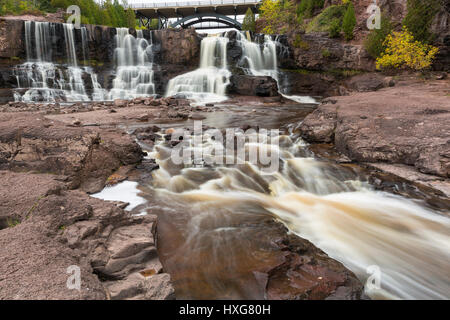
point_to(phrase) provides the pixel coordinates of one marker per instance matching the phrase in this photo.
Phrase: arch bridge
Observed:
(185, 14)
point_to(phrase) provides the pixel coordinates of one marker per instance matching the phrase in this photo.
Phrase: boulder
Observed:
(262, 86)
(369, 82)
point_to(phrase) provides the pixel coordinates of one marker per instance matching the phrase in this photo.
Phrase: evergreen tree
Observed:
(249, 22)
(131, 18)
(349, 22)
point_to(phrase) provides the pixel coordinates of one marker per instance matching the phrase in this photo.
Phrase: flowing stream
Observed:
(214, 217)
(213, 221)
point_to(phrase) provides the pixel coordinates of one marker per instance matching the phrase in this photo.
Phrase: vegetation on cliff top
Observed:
(282, 16)
(410, 48)
(374, 42)
(109, 13)
(328, 19)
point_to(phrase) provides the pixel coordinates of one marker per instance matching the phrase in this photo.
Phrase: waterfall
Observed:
(209, 82)
(98, 93)
(43, 80)
(84, 43)
(264, 62)
(134, 60)
(213, 211)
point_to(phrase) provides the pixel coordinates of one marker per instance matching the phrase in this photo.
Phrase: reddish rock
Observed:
(11, 44)
(55, 229)
(408, 124)
(86, 157)
(253, 85)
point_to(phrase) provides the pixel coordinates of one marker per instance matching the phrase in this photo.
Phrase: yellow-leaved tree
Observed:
(403, 51)
(270, 12)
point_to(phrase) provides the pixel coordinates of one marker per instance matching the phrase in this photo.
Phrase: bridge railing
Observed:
(199, 3)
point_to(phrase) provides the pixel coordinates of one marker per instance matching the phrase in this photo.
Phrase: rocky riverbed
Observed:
(53, 156)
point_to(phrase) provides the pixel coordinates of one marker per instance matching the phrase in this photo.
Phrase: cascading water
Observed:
(209, 82)
(324, 203)
(134, 59)
(98, 93)
(42, 80)
(264, 62)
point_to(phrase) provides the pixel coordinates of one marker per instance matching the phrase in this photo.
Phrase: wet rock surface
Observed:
(253, 86)
(308, 273)
(11, 39)
(47, 226)
(30, 142)
(405, 125)
(281, 266)
(53, 228)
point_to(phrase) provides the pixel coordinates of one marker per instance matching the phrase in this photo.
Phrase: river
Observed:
(215, 218)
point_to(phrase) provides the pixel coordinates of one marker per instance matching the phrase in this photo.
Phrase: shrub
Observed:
(403, 51)
(349, 22)
(323, 21)
(300, 43)
(249, 23)
(326, 53)
(374, 43)
(419, 18)
(335, 28)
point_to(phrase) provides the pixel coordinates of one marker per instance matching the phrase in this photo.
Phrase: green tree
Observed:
(306, 8)
(249, 22)
(45, 5)
(131, 18)
(349, 22)
(420, 17)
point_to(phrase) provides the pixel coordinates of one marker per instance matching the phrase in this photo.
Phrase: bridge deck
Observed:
(187, 8)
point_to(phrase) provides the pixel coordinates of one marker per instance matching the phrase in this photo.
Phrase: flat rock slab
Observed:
(45, 229)
(87, 157)
(408, 124)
